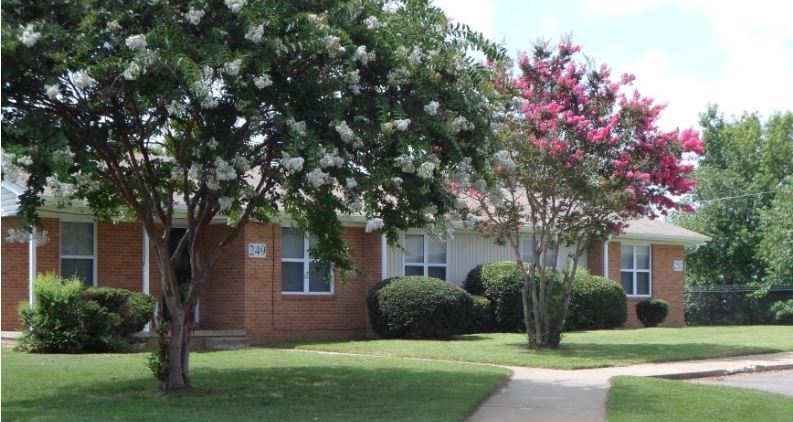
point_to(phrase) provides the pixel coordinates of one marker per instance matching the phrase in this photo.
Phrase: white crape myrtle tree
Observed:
(241, 109)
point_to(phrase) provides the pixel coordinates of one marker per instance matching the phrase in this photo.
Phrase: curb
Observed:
(725, 372)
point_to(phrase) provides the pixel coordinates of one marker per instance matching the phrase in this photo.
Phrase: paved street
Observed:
(780, 382)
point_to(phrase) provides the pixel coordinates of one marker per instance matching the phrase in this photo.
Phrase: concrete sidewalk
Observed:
(556, 395)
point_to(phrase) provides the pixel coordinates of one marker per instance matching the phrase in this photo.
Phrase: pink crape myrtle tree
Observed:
(579, 156)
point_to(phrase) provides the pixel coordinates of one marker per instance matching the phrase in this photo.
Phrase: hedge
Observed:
(501, 283)
(596, 303)
(419, 307)
(69, 318)
(652, 312)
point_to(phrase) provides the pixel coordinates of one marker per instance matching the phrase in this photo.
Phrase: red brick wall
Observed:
(272, 315)
(120, 256)
(222, 301)
(667, 284)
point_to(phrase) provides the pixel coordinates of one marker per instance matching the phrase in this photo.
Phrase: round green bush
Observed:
(652, 312)
(481, 320)
(501, 283)
(783, 311)
(596, 303)
(419, 307)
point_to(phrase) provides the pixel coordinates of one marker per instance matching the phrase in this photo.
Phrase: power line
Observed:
(738, 196)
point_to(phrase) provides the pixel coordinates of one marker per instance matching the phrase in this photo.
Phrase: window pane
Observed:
(82, 268)
(526, 250)
(626, 257)
(627, 282)
(292, 276)
(643, 257)
(549, 260)
(414, 248)
(437, 272)
(413, 270)
(642, 283)
(292, 243)
(77, 238)
(437, 251)
(319, 277)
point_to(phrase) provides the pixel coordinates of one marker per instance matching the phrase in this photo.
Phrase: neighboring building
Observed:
(267, 286)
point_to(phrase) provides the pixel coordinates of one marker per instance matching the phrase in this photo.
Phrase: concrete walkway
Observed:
(556, 395)
(780, 382)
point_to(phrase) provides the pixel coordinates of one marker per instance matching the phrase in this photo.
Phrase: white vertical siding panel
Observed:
(467, 250)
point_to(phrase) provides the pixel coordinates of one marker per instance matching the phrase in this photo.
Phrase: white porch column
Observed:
(383, 257)
(606, 259)
(31, 267)
(145, 289)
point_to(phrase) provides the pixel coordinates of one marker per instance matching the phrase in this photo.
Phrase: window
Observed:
(78, 251)
(527, 253)
(635, 270)
(300, 274)
(425, 256)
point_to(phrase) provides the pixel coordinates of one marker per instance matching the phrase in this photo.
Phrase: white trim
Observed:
(306, 261)
(606, 259)
(634, 270)
(426, 264)
(94, 258)
(32, 246)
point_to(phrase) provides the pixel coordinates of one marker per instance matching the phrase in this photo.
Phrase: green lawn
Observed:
(652, 399)
(582, 349)
(254, 384)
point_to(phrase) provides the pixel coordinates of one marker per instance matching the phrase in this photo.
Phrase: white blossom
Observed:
(62, 192)
(241, 163)
(212, 144)
(405, 163)
(391, 6)
(331, 159)
(416, 56)
(262, 81)
(402, 124)
(398, 76)
(354, 81)
(53, 91)
(224, 203)
(224, 171)
(374, 224)
(355, 204)
(387, 128)
(175, 108)
(397, 181)
(232, 68)
(136, 42)
(298, 128)
(502, 159)
(425, 170)
(461, 123)
(431, 108)
(372, 22)
(132, 72)
(236, 5)
(320, 21)
(345, 132)
(194, 15)
(40, 237)
(351, 183)
(63, 158)
(292, 163)
(29, 36)
(25, 160)
(363, 56)
(113, 25)
(317, 178)
(255, 34)
(83, 80)
(333, 45)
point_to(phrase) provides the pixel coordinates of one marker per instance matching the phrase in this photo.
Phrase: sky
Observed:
(685, 53)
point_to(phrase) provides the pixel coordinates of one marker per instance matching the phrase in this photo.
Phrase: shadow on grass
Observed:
(284, 393)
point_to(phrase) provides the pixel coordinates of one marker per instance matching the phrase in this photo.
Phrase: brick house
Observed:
(267, 288)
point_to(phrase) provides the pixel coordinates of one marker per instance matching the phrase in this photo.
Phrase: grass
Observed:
(581, 349)
(253, 384)
(653, 399)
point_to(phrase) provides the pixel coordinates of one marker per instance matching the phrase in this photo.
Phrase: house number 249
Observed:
(257, 250)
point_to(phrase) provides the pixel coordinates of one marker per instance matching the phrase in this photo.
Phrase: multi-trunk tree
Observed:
(578, 159)
(240, 109)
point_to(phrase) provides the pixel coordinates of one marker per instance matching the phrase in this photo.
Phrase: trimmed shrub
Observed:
(481, 315)
(501, 283)
(783, 312)
(418, 307)
(68, 318)
(652, 312)
(596, 303)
